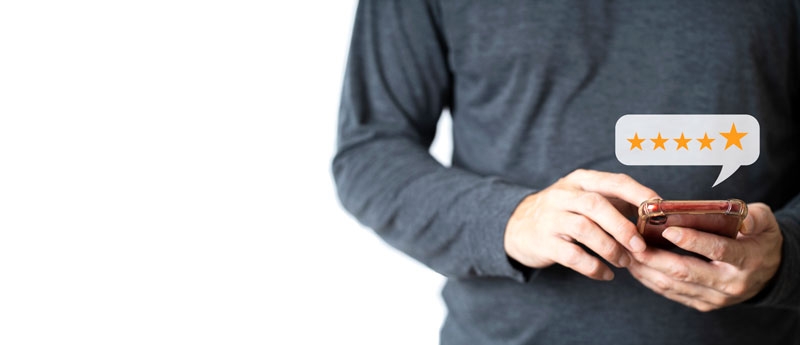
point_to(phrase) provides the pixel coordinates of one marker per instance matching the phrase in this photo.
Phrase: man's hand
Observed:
(545, 226)
(738, 270)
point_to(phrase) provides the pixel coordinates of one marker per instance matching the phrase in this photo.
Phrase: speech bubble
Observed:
(681, 139)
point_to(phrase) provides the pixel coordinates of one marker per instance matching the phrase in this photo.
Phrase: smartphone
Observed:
(721, 217)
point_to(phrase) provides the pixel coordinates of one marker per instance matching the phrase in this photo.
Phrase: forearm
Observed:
(447, 218)
(784, 290)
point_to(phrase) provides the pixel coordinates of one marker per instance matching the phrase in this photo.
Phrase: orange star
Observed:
(705, 142)
(682, 142)
(659, 142)
(733, 137)
(636, 142)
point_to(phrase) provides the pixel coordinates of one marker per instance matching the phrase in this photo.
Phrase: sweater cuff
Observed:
(782, 290)
(500, 201)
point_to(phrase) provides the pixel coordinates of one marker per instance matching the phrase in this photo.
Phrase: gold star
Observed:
(705, 142)
(682, 141)
(733, 137)
(659, 142)
(636, 142)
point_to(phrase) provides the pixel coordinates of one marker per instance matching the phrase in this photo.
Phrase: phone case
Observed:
(721, 217)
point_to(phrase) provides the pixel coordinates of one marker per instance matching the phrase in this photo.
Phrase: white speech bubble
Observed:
(713, 140)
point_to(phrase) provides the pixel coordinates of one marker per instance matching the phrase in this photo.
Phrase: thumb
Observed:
(759, 219)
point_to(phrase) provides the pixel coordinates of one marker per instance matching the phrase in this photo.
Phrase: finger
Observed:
(615, 185)
(685, 300)
(572, 256)
(683, 268)
(665, 285)
(712, 246)
(759, 217)
(626, 209)
(585, 231)
(619, 186)
(693, 303)
(599, 210)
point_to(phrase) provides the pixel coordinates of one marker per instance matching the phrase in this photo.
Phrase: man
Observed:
(528, 224)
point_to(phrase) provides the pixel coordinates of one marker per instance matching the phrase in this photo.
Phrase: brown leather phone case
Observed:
(721, 217)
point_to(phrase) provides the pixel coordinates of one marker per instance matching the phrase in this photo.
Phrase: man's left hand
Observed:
(738, 269)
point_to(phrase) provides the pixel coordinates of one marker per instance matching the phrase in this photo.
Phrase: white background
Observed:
(165, 179)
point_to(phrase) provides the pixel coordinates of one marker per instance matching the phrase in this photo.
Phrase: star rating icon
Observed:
(682, 142)
(636, 142)
(730, 141)
(732, 138)
(705, 142)
(659, 142)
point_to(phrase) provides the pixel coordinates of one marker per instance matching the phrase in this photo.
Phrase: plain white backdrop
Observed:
(165, 179)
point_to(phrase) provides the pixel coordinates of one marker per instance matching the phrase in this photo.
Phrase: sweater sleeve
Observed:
(396, 84)
(784, 290)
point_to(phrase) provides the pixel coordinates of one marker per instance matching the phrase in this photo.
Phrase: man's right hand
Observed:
(545, 226)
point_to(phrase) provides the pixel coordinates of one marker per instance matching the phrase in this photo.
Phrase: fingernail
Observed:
(608, 275)
(625, 260)
(637, 244)
(671, 234)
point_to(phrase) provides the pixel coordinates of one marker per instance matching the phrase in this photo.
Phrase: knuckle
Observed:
(718, 250)
(578, 225)
(679, 271)
(735, 289)
(662, 284)
(717, 299)
(642, 258)
(554, 192)
(626, 228)
(589, 201)
(609, 249)
(593, 268)
(687, 238)
(704, 307)
(621, 179)
(572, 256)
(578, 173)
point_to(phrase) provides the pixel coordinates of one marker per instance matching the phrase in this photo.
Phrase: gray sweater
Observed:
(535, 89)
